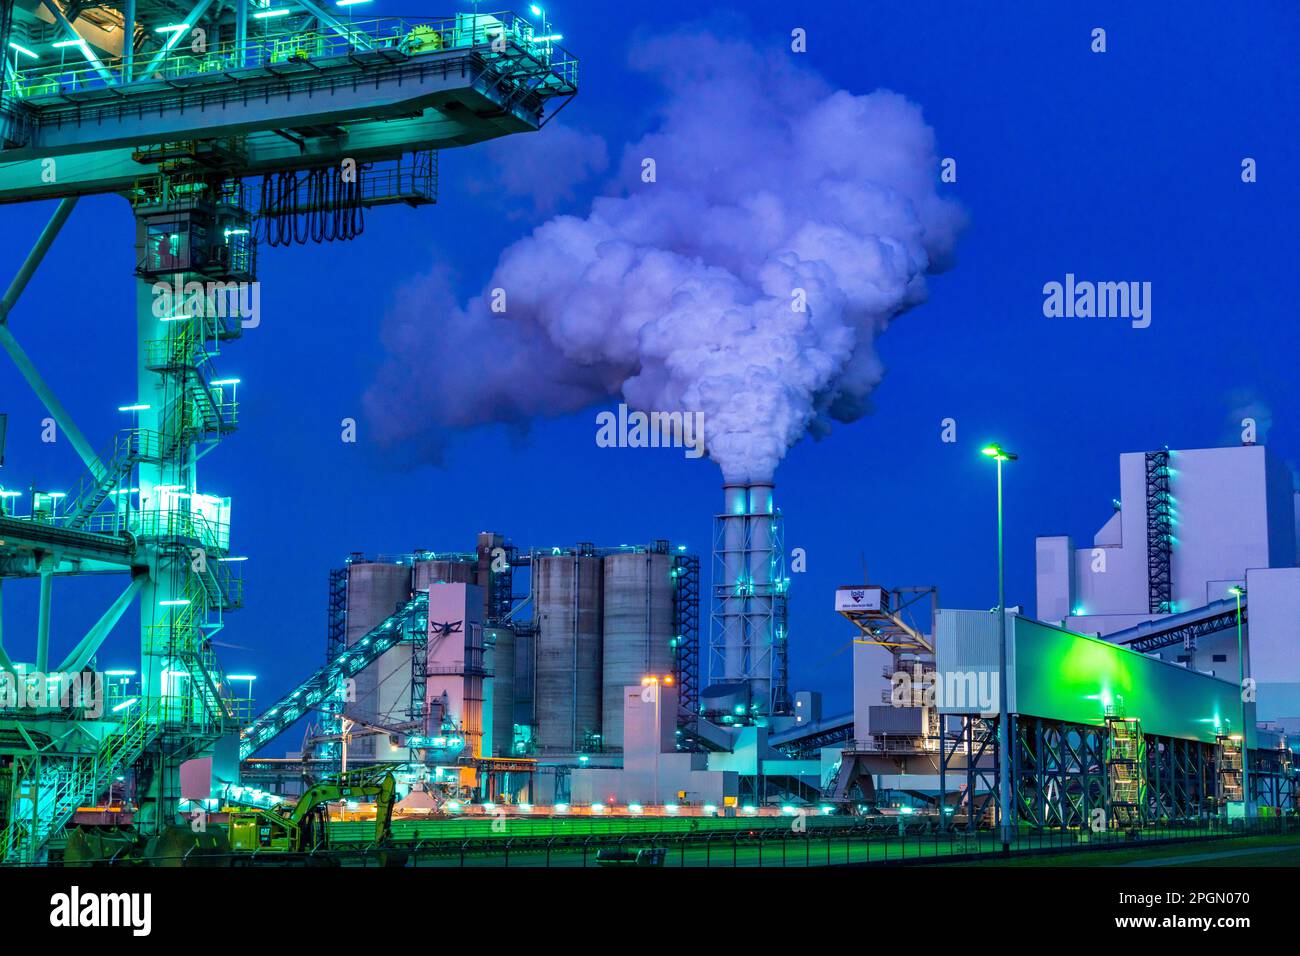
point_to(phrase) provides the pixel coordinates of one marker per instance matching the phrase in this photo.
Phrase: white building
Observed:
(1187, 528)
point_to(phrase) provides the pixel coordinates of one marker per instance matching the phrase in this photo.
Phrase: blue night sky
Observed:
(1121, 166)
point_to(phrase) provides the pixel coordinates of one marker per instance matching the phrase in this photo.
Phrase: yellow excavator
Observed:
(302, 827)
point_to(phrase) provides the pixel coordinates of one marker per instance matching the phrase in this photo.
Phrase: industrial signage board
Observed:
(861, 599)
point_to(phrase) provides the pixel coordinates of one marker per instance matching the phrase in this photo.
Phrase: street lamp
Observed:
(1237, 591)
(999, 454)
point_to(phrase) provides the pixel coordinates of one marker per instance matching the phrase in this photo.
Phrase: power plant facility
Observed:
(547, 696)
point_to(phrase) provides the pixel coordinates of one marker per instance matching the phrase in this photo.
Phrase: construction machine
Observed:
(302, 826)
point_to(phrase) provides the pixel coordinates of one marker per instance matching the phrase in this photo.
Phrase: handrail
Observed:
(397, 34)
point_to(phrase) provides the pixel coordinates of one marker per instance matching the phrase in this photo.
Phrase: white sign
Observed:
(859, 599)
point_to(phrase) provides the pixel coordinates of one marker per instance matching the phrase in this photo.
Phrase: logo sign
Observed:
(860, 599)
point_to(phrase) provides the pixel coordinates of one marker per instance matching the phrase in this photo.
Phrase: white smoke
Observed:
(680, 294)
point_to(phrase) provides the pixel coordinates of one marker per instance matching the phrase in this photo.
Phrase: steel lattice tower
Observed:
(333, 115)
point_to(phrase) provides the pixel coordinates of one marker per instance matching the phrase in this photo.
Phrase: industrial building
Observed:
(1188, 528)
(1159, 679)
(1138, 633)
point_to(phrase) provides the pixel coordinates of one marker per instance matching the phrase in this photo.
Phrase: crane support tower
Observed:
(226, 125)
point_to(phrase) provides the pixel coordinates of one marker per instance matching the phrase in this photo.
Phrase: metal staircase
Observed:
(129, 447)
(70, 782)
(402, 625)
(1126, 771)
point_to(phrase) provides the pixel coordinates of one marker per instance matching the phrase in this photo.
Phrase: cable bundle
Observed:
(315, 204)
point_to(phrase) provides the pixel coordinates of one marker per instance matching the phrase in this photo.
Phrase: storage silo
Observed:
(441, 570)
(638, 629)
(567, 669)
(499, 659)
(375, 591)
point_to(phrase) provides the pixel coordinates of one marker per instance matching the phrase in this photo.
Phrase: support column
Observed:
(43, 621)
(164, 582)
(128, 39)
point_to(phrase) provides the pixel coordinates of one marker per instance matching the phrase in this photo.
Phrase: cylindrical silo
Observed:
(442, 570)
(759, 612)
(499, 659)
(375, 591)
(566, 593)
(638, 629)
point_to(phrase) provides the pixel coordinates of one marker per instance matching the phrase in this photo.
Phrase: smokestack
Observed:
(758, 614)
(747, 633)
(731, 593)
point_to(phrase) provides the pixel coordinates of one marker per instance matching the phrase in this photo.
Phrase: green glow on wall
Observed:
(1066, 676)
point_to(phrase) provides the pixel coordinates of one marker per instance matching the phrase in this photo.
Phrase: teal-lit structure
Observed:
(228, 125)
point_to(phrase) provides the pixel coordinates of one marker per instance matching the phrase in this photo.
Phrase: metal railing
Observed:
(501, 37)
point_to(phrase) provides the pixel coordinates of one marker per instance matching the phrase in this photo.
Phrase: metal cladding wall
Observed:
(734, 568)
(499, 658)
(638, 630)
(567, 674)
(1060, 675)
(374, 592)
(439, 570)
(760, 638)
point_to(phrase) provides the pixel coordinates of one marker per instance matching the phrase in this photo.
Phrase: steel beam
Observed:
(128, 39)
(360, 37)
(84, 45)
(25, 365)
(190, 19)
(46, 606)
(86, 648)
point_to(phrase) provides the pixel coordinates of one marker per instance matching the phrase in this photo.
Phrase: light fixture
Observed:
(267, 14)
(77, 42)
(23, 50)
(997, 451)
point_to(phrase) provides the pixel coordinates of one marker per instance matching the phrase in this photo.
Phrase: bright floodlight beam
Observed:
(1000, 454)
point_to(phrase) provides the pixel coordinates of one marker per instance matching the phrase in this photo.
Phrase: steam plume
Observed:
(681, 294)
